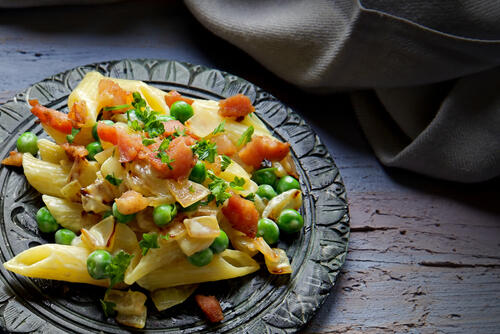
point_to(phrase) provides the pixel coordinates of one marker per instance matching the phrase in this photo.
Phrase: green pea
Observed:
(64, 236)
(164, 118)
(265, 176)
(220, 243)
(107, 214)
(198, 173)
(97, 264)
(163, 214)
(94, 128)
(201, 258)
(46, 222)
(287, 183)
(266, 191)
(268, 230)
(290, 221)
(93, 148)
(120, 217)
(27, 143)
(181, 111)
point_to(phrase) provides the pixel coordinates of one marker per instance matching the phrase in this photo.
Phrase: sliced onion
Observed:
(130, 307)
(100, 235)
(202, 227)
(291, 199)
(190, 245)
(187, 192)
(281, 265)
(168, 297)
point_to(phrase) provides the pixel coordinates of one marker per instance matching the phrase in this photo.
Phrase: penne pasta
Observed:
(46, 177)
(68, 214)
(51, 152)
(228, 264)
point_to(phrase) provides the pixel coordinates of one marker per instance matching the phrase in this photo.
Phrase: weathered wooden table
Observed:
(424, 255)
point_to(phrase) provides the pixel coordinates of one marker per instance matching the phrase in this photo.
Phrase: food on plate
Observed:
(154, 189)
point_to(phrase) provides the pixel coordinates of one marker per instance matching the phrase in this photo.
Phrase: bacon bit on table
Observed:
(261, 148)
(236, 106)
(78, 114)
(14, 159)
(131, 202)
(129, 145)
(173, 96)
(211, 307)
(242, 215)
(110, 94)
(180, 152)
(75, 151)
(52, 118)
(224, 145)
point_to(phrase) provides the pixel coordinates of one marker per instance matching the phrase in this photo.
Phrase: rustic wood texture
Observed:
(424, 255)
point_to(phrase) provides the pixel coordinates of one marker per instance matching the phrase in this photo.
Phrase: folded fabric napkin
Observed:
(423, 74)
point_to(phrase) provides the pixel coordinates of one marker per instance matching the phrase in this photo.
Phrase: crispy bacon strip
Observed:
(129, 145)
(181, 154)
(211, 307)
(14, 159)
(242, 215)
(75, 151)
(173, 96)
(131, 202)
(50, 117)
(261, 148)
(78, 114)
(236, 106)
(110, 94)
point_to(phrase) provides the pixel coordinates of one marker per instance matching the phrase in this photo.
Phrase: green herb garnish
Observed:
(149, 240)
(113, 180)
(237, 183)
(219, 128)
(225, 162)
(246, 136)
(217, 188)
(122, 106)
(70, 138)
(205, 150)
(108, 308)
(116, 269)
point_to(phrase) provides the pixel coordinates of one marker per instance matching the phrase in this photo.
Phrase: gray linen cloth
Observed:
(424, 75)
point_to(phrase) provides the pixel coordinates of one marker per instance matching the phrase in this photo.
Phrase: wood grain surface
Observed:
(424, 255)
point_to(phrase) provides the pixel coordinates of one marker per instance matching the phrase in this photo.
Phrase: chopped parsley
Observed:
(162, 153)
(70, 138)
(219, 128)
(217, 188)
(122, 106)
(147, 141)
(179, 133)
(246, 136)
(205, 150)
(149, 240)
(151, 122)
(250, 197)
(237, 183)
(225, 162)
(113, 180)
(191, 189)
(108, 308)
(116, 269)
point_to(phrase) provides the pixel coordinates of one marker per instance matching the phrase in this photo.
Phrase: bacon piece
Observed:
(110, 94)
(78, 114)
(173, 96)
(224, 145)
(242, 215)
(211, 307)
(236, 106)
(50, 117)
(172, 126)
(181, 154)
(261, 148)
(14, 159)
(129, 145)
(131, 202)
(75, 151)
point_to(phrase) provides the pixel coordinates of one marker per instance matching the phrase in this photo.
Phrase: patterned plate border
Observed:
(279, 306)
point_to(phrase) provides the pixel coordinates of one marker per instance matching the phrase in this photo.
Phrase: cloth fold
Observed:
(424, 75)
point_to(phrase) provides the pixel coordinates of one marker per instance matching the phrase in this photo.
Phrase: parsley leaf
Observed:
(164, 144)
(246, 136)
(152, 124)
(191, 189)
(113, 180)
(250, 197)
(217, 188)
(149, 240)
(237, 183)
(71, 137)
(219, 128)
(122, 106)
(162, 154)
(108, 308)
(147, 141)
(205, 150)
(225, 162)
(179, 133)
(116, 269)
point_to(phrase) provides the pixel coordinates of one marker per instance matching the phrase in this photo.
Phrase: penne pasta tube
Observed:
(53, 261)
(228, 264)
(46, 177)
(69, 214)
(50, 151)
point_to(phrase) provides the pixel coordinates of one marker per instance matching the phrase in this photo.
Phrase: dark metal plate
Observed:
(258, 303)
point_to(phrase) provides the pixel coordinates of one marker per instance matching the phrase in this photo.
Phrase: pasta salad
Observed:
(149, 188)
